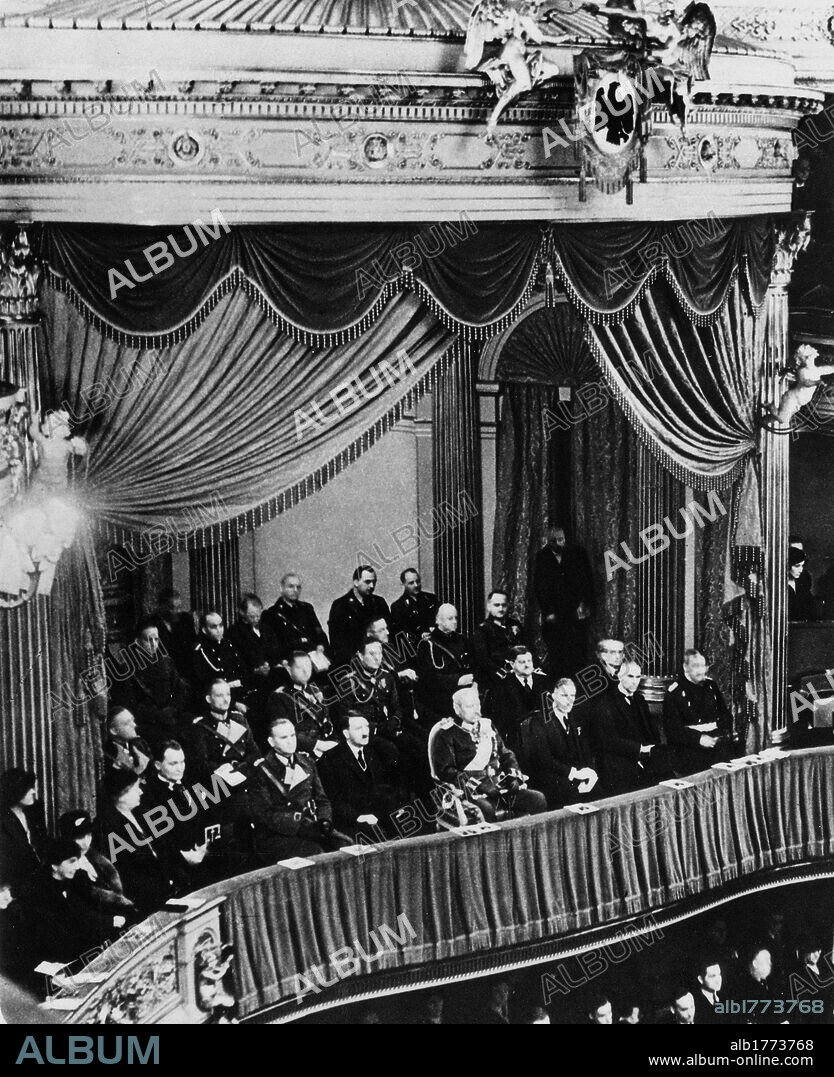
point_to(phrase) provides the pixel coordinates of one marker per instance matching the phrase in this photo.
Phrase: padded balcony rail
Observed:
(449, 906)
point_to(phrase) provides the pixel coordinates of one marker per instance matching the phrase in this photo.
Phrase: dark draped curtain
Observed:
(319, 281)
(605, 499)
(572, 461)
(236, 423)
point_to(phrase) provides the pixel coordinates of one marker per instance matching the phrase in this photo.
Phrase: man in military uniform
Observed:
(415, 610)
(351, 614)
(696, 719)
(468, 753)
(398, 658)
(295, 622)
(303, 703)
(371, 691)
(444, 663)
(222, 745)
(214, 656)
(290, 811)
(494, 639)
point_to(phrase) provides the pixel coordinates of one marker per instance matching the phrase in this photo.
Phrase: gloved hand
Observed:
(511, 785)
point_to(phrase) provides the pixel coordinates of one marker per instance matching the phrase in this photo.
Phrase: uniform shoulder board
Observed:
(303, 756)
(673, 687)
(196, 720)
(447, 723)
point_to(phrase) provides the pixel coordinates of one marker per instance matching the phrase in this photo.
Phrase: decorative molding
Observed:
(142, 994)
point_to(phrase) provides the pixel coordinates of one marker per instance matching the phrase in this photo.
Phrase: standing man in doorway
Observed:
(564, 591)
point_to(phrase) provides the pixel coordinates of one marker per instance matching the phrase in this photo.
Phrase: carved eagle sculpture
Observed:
(517, 69)
(680, 45)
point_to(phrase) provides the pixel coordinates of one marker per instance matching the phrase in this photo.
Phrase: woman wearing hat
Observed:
(800, 600)
(97, 879)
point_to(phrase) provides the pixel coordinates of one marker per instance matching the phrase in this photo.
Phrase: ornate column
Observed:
(793, 237)
(459, 538)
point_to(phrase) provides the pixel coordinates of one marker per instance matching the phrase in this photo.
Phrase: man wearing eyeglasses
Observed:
(696, 718)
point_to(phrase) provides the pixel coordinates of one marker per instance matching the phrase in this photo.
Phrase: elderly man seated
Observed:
(467, 752)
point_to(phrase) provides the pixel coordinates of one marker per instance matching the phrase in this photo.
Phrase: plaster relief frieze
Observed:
(26, 149)
(702, 152)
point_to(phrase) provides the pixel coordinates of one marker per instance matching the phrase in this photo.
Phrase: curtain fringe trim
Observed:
(287, 499)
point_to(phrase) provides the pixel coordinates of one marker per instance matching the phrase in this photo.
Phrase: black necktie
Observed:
(360, 755)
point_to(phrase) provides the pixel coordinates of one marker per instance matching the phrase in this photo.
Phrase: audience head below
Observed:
(610, 653)
(694, 666)
(291, 587)
(564, 696)
(710, 977)
(370, 655)
(467, 705)
(18, 789)
(300, 668)
(77, 827)
(364, 581)
(447, 618)
(211, 625)
(600, 1011)
(250, 608)
(497, 605)
(219, 696)
(355, 728)
(282, 738)
(683, 1006)
(411, 581)
(62, 858)
(629, 676)
(759, 962)
(147, 636)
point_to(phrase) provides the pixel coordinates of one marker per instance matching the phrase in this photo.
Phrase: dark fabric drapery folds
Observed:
(235, 424)
(691, 391)
(325, 283)
(533, 880)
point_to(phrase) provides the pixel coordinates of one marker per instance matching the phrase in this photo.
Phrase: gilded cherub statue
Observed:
(518, 68)
(806, 377)
(681, 45)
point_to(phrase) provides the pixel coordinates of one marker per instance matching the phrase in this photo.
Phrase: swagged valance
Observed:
(325, 284)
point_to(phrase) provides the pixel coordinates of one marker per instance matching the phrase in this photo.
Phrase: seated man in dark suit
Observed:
(415, 610)
(708, 993)
(626, 744)
(258, 648)
(555, 753)
(515, 697)
(123, 749)
(289, 808)
(155, 692)
(469, 754)
(696, 719)
(295, 623)
(444, 664)
(361, 778)
(176, 630)
(494, 640)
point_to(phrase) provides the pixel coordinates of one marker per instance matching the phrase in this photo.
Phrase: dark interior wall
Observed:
(812, 498)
